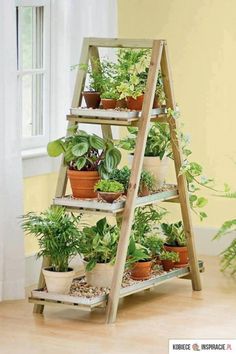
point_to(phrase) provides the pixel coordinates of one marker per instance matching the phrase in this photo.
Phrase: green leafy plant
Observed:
(123, 176)
(98, 244)
(109, 186)
(57, 233)
(86, 152)
(110, 95)
(137, 252)
(155, 244)
(175, 235)
(169, 256)
(158, 140)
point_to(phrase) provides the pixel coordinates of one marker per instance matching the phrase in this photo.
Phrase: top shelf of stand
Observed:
(112, 116)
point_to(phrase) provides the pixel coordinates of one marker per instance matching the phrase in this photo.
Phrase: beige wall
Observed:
(201, 36)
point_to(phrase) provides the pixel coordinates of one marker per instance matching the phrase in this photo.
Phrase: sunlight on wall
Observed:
(202, 53)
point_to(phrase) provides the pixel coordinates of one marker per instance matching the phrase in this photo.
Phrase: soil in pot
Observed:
(135, 104)
(167, 265)
(183, 255)
(141, 270)
(101, 275)
(58, 282)
(109, 197)
(83, 183)
(92, 99)
(108, 103)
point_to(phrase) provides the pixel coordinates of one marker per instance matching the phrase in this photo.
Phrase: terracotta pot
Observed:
(108, 103)
(83, 183)
(109, 197)
(143, 191)
(155, 102)
(58, 282)
(92, 99)
(121, 103)
(183, 255)
(141, 270)
(167, 265)
(135, 104)
(101, 275)
(157, 167)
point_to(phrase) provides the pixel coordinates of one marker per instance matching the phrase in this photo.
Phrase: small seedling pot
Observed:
(183, 255)
(108, 103)
(141, 270)
(135, 104)
(109, 197)
(92, 99)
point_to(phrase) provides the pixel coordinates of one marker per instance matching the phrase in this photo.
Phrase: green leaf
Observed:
(80, 149)
(55, 148)
(80, 163)
(96, 142)
(91, 264)
(193, 198)
(101, 225)
(225, 228)
(112, 159)
(201, 202)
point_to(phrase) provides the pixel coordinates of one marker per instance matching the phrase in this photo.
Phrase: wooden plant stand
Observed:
(124, 212)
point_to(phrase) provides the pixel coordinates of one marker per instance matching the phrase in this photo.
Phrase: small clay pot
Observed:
(143, 191)
(167, 265)
(141, 270)
(109, 197)
(108, 103)
(83, 183)
(155, 102)
(92, 99)
(182, 252)
(135, 104)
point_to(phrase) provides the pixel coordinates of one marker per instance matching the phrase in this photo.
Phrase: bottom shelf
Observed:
(96, 297)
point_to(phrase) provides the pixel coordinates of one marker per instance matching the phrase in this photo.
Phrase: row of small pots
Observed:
(102, 273)
(83, 182)
(93, 99)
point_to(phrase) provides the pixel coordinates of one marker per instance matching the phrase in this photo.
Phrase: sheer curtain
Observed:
(11, 237)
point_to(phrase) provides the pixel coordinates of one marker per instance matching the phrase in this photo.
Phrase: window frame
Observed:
(37, 142)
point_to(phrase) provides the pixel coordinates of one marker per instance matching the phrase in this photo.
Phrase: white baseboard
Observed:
(204, 244)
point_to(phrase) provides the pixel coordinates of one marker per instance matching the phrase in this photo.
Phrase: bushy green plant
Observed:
(109, 186)
(175, 235)
(137, 252)
(158, 140)
(57, 233)
(98, 243)
(123, 176)
(169, 256)
(86, 152)
(154, 243)
(110, 95)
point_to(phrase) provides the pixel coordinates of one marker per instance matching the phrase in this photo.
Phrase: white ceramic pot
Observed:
(58, 282)
(159, 168)
(101, 275)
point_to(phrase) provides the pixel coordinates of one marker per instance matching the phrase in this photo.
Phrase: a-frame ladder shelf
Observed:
(116, 207)
(88, 304)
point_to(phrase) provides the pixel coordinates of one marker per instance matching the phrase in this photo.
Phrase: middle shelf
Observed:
(167, 193)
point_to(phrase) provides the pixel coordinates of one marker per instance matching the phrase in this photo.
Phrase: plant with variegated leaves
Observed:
(86, 152)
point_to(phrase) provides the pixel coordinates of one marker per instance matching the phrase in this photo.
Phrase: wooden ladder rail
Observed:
(128, 213)
(181, 179)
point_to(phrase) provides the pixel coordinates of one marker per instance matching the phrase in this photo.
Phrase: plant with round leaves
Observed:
(86, 152)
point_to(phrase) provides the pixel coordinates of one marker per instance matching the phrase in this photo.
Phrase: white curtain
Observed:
(11, 237)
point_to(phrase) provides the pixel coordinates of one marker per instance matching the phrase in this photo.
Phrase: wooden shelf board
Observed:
(94, 204)
(42, 297)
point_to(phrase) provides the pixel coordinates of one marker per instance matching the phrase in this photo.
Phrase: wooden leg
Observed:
(41, 284)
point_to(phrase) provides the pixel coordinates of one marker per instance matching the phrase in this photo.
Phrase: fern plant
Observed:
(57, 233)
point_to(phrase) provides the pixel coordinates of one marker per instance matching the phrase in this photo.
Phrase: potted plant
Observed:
(176, 241)
(157, 150)
(88, 158)
(155, 244)
(139, 260)
(109, 190)
(109, 99)
(169, 260)
(58, 237)
(146, 184)
(98, 246)
(101, 74)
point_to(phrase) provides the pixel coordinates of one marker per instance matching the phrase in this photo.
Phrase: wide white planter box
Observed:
(153, 164)
(58, 282)
(101, 275)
